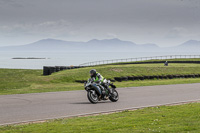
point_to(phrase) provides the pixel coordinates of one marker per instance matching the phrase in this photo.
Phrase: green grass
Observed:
(156, 82)
(180, 118)
(179, 59)
(111, 71)
(15, 81)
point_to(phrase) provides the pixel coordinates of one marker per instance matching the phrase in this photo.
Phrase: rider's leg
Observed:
(107, 87)
(105, 96)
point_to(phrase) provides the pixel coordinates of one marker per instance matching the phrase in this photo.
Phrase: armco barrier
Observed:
(140, 59)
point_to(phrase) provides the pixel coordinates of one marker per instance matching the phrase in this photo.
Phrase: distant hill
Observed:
(191, 45)
(113, 42)
(105, 45)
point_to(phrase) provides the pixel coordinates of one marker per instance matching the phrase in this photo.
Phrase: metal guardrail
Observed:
(94, 63)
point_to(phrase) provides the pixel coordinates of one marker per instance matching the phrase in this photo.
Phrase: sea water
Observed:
(68, 58)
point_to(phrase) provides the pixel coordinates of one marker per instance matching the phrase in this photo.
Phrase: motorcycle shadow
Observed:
(91, 103)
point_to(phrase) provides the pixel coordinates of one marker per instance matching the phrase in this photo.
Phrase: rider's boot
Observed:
(99, 97)
(105, 97)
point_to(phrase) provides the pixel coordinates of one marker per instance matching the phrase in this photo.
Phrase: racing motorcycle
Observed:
(94, 95)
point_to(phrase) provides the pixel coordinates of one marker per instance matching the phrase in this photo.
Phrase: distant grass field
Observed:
(168, 119)
(16, 81)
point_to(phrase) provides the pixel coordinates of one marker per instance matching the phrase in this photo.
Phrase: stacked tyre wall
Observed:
(48, 70)
(150, 77)
(153, 77)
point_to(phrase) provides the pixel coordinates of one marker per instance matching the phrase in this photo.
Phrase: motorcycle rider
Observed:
(100, 81)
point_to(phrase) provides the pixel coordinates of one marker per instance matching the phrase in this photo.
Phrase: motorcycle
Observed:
(93, 92)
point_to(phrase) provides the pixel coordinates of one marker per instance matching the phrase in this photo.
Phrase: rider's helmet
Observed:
(93, 72)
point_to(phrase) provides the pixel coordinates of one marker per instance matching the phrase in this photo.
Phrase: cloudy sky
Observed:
(164, 22)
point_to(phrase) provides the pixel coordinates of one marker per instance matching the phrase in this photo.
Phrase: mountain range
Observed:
(105, 45)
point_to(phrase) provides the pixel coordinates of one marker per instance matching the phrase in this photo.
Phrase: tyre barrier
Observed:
(141, 78)
(170, 76)
(130, 78)
(45, 70)
(48, 70)
(133, 78)
(156, 77)
(52, 70)
(81, 81)
(57, 68)
(124, 78)
(63, 68)
(119, 79)
(146, 77)
(197, 75)
(151, 77)
(111, 80)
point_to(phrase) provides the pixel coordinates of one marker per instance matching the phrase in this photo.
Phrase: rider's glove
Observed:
(98, 82)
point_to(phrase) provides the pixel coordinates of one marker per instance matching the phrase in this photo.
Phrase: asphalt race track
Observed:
(41, 106)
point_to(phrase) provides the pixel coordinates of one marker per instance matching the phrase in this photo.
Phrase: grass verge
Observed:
(179, 118)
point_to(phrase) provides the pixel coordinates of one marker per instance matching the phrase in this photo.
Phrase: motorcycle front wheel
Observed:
(92, 96)
(114, 96)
